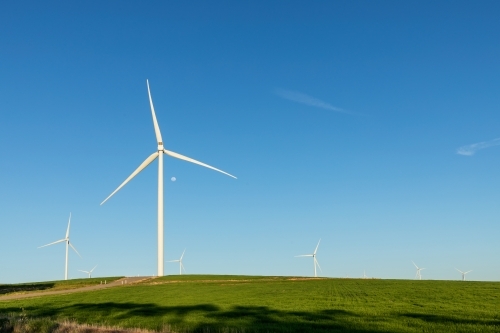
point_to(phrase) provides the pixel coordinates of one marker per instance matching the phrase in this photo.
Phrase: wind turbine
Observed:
(88, 272)
(364, 275)
(418, 275)
(159, 154)
(315, 261)
(181, 266)
(65, 239)
(463, 273)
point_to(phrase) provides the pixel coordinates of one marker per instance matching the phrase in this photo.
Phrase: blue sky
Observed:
(374, 126)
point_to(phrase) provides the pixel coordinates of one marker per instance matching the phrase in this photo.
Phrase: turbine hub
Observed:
(160, 146)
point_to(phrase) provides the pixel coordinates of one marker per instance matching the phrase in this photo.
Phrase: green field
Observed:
(196, 303)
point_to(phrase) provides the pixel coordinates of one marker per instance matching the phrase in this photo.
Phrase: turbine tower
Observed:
(88, 272)
(181, 266)
(65, 239)
(463, 273)
(315, 261)
(159, 154)
(418, 276)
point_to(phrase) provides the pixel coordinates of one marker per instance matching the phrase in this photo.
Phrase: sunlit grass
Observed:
(201, 303)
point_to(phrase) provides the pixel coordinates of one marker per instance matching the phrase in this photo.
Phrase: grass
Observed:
(197, 303)
(23, 288)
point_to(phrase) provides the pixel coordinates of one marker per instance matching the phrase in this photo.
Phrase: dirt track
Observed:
(120, 282)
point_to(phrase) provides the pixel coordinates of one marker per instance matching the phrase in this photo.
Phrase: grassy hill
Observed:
(23, 288)
(198, 303)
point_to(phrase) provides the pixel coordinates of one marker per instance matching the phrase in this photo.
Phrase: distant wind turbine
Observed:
(65, 239)
(159, 154)
(88, 272)
(315, 261)
(181, 266)
(463, 273)
(418, 276)
(364, 275)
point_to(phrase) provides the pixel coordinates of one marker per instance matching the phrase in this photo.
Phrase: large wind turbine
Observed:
(88, 272)
(463, 273)
(159, 154)
(65, 239)
(418, 275)
(315, 261)
(181, 266)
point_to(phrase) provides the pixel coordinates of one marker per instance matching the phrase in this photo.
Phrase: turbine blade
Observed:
(141, 167)
(155, 122)
(459, 270)
(92, 269)
(188, 159)
(304, 255)
(69, 222)
(84, 271)
(74, 249)
(174, 260)
(468, 272)
(317, 263)
(317, 246)
(59, 241)
(415, 265)
(183, 267)
(182, 255)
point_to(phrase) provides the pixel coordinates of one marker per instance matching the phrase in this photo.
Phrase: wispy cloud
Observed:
(307, 100)
(470, 150)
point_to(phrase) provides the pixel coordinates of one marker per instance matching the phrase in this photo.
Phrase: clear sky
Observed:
(373, 125)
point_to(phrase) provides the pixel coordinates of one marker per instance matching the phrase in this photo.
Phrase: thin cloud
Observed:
(298, 97)
(470, 150)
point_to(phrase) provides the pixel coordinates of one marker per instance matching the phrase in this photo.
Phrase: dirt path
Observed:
(120, 282)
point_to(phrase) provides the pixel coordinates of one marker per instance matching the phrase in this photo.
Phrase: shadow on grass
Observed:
(209, 318)
(205, 318)
(447, 319)
(13, 288)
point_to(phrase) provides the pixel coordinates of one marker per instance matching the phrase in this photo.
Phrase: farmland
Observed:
(201, 303)
(25, 288)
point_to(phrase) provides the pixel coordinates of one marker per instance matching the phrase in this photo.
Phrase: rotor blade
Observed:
(155, 122)
(141, 167)
(468, 272)
(183, 267)
(317, 263)
(83, 271)
(317, 246)
(174, 260)
(182, 255)
(92, 269)
(59, 241)
(305, 255)
(69, 222)
(188, 159)
(415, 265)
(74, 249)
(459, 270)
